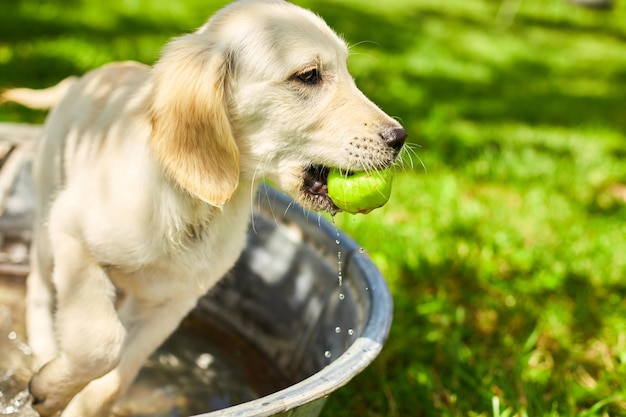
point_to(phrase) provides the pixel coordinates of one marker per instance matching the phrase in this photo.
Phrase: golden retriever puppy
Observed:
(146, 177)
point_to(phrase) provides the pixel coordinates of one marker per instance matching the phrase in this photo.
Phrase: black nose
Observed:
(394, 137)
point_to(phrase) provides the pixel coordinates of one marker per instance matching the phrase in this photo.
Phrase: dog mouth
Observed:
(315, 187)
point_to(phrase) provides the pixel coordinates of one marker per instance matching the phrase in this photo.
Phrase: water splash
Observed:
(15, 361)
(18, 406)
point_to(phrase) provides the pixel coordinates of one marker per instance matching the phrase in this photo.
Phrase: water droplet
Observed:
(361, 250)
(204, 360)
(12, 335)
(169, 360)
(337, 241)
(341, 296)
(327, 353)
(350, 332)
(26, 350)
(337, 329)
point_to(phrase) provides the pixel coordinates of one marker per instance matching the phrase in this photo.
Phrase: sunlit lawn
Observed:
(504, 243)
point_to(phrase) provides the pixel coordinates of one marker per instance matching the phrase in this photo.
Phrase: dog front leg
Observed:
(40, 303)
(89, 334)
(149, 324)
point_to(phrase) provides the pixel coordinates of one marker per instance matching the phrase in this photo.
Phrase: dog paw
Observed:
(50, 395)
(37, 397)
(41, 404)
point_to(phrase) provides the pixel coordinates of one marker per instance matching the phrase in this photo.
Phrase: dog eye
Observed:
(308, 77)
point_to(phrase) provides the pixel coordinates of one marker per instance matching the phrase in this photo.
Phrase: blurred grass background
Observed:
(504, 244)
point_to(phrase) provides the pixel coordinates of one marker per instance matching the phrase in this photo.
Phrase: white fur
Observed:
(145, 180)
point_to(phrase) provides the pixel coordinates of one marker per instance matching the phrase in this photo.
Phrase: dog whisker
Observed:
(291, 203)
(354, 45)
(253, 190)
(409, 152)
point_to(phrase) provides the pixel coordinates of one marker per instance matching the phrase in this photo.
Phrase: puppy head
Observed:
(191, 131)
(262, 90)
(295, 109)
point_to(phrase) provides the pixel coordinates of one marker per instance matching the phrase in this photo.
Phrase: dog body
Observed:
(146, 178)
(109, 220)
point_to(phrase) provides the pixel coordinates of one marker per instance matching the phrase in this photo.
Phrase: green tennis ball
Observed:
(359, 192)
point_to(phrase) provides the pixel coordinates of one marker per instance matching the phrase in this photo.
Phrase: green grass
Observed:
(505, 243)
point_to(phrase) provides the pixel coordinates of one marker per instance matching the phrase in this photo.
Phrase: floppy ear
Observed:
(191, 132)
